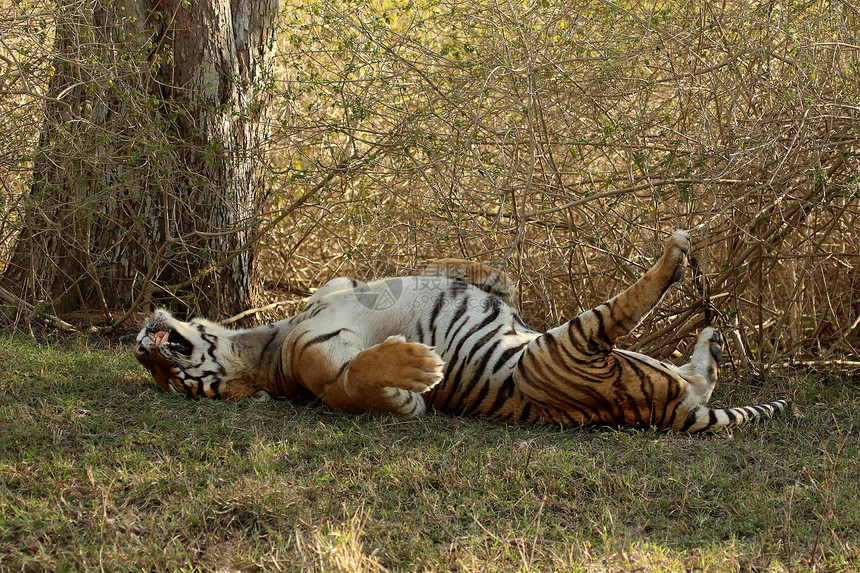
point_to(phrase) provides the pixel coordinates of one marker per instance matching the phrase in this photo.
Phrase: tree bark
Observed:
(149, 174)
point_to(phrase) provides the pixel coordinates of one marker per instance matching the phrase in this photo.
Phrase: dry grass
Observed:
(99, 471)
(563, 140)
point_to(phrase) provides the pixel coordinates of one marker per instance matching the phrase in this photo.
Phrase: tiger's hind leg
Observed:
(693, 414)
(603, 325)
(386, 377)
(564, 367)
(701, 371)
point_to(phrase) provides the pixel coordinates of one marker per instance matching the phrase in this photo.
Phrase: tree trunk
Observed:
(149, 173)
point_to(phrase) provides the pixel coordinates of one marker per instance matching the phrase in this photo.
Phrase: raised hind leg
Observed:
(621, 314)
(701, 371)
(334, 364)
(573, 368)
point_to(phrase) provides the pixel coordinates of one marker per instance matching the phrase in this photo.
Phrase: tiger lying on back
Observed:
(451, 340)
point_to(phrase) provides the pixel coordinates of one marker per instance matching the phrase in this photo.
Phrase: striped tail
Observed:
(704, 419)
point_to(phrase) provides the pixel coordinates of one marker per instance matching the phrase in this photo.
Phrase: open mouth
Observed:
(168, 339)
(159, 337)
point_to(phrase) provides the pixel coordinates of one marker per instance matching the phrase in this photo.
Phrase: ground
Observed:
(99, 470)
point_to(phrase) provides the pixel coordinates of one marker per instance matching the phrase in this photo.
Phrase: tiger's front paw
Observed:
(389, 376)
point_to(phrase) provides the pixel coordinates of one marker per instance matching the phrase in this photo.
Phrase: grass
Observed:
(100, 471)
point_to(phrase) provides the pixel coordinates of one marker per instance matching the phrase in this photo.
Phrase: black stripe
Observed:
(210, 373)
(670, 423)
(442, 392)
(491, 335)
(434, 314)
(406, 398)
(582, 343)
(507, 354)
(673, 389)
(213, 342)
(601, 330)
(477, 376)
(274, 335)
(316, 309)
(733, 418)
(474, 405)
(458, 390)
(691, 419)
(503, 395)
(474, 330)
(712, 418)
(673, 392)
(461, 310)
(321, 338)
(540, 382)
(414, 406)
(419, 331)
(633, 402)
(575, 374)
(343, 367)
(458, 287)
(526, 412)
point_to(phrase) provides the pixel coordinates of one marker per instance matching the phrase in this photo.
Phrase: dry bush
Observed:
(142, 174)
(560, 140)
(564, 140)
(26, 60)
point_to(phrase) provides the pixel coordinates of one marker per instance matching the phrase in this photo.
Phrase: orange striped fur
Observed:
(450, 340)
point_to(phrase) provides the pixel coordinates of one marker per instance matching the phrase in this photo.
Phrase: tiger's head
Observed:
(187, 357)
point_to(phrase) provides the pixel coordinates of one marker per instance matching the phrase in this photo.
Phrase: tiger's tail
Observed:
(704, 419)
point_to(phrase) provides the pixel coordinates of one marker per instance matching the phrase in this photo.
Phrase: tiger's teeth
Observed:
(159, 338)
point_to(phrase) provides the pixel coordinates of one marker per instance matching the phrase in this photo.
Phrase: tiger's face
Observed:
(181, 356)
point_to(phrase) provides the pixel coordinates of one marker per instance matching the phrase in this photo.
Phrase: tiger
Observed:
(450, 340)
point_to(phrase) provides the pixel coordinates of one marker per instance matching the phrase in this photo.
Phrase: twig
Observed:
(251, 311)
(144, 289)
(340, 169)
(829, 364)
(42, 316)
(631, 189)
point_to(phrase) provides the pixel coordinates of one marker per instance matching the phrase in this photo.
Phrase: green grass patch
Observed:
(99, 470)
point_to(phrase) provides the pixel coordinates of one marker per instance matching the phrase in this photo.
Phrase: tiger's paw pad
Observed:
(715, 343)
